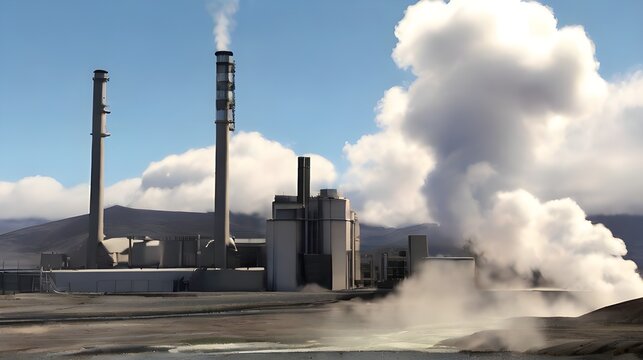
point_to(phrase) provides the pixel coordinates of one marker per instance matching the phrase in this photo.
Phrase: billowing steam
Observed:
(551, 244)
(503, 103)
(222, 12)
(506, 109)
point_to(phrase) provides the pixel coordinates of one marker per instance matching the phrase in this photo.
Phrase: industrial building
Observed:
(309, 239)
(140, 263)
(386, 267)
(312, 239)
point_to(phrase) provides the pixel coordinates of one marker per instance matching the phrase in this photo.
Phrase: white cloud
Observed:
(387, 170)
(600, 156)
(41, 197)
(260, 168)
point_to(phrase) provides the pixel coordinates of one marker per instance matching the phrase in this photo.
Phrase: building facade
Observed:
(312, 240)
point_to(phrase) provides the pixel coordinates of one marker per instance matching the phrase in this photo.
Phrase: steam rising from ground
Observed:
(442, 301)
(222, 12)
(509, 108)
(552, 244)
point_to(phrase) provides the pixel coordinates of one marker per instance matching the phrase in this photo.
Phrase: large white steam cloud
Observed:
(222, 12)
(509, 108)
(387, 169)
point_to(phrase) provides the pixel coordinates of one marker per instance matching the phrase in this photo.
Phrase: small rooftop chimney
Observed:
(303, 180)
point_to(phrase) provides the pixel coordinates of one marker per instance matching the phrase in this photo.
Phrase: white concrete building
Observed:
(312, 239)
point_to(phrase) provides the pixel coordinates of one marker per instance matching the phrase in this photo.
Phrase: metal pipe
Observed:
(224, 124)
(99, 131)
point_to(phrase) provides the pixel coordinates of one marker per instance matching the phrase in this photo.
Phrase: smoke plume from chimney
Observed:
(222, 12)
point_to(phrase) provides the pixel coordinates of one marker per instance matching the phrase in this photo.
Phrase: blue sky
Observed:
(309, 75)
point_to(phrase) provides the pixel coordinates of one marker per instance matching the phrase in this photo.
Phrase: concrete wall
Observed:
(228, 280)
(157, 280)
(145, 254)
(418, 250)
(125, 280)
(170, 254)
(339, 253)
(336, 238)
(53, 261)
(282, 254)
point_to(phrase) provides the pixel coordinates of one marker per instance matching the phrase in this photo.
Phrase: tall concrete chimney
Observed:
(99, 131)
(224, 124)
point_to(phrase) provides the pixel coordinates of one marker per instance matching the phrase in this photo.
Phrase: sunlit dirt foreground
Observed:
(281, 326)
(90, 325)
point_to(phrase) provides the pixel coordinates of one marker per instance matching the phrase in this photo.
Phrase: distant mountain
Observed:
(68, 235)
(376, 237)
(8, 225)
(626, 227)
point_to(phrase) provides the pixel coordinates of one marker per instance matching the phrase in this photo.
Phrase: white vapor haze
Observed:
(222, 12)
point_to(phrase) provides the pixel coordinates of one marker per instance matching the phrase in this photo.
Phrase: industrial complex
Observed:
(310, 238)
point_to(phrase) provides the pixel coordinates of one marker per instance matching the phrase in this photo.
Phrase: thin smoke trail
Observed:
(222, 12)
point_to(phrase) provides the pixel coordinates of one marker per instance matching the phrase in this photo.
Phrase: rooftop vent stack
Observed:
(303, 180)
(224, 124)
(303, 196)
(99, 131)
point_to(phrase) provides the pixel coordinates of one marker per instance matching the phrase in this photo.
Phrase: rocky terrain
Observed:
(611, 331)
